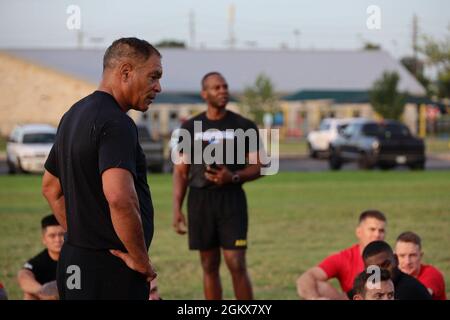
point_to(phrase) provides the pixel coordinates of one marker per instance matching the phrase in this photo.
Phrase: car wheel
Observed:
(312, 152)
(386, 166)
(365, 162)
(334, 161)
(19, 168)
(417, 165)
(11, 167)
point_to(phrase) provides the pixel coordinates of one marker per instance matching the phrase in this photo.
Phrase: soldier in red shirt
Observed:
(3, 295)
(344, 265)
(408, 249)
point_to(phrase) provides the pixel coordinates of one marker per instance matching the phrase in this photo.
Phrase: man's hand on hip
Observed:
(145, 268)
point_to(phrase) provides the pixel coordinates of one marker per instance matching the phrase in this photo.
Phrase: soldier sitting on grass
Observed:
(37, 278)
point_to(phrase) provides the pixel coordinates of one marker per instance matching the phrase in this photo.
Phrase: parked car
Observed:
(153, 149)
(319, 140)
(384, 144)
(28, 147)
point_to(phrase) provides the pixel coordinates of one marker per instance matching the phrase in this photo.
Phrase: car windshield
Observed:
(34, 138)
(385, 130)
(324, 126)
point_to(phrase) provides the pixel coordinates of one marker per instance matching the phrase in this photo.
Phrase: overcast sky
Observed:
(264, 24)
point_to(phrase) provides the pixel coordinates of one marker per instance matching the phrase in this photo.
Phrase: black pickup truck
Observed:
(153, 149)
(385, 144)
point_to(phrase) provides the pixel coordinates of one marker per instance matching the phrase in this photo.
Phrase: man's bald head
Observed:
(130, 49)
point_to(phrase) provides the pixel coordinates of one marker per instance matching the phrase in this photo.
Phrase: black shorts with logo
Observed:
(102, 276)
(217, 218)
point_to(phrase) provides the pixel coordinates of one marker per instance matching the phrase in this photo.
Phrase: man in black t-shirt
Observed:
(37, 278)
(220, 154)
(95, 181)
(379, 253)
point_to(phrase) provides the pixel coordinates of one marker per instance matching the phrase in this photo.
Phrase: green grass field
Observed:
(296, 219)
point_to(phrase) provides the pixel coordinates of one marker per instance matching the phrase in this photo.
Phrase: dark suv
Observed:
(153, 149)
(385, 144)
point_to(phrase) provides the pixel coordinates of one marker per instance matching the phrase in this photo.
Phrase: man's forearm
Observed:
(28, 283)
(52, 191)
(58, 207)
(180, 183)
(251, 172)
(306, 287)
(128, 226)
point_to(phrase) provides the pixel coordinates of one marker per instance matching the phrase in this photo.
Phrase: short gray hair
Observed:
(132, 48)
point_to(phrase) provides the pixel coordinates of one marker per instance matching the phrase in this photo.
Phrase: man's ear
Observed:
(125, 70)
(357, 297)
(43, 237)
(358, 231)
(203, 94)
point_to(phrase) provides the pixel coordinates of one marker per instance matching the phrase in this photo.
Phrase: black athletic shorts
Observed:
(217, 218)
(85, 274)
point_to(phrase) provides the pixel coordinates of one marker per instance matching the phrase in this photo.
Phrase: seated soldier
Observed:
(379, 253)
(345, 265)
(408, 249)
(37, 278)
(3, 295)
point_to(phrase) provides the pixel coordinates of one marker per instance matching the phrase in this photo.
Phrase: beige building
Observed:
(40, 85)
(32, 93)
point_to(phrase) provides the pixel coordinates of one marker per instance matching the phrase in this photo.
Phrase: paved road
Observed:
(303, 163)
(434, 162)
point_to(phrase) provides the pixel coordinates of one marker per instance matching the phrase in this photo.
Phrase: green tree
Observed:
(443, 84)
(371, 46)
(385, 98)
(438, 55)
(259, 99)
(417, 67)
(169, 43)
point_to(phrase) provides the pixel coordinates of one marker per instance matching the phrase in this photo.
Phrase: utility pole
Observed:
(192, 29)
(297, 34)
(231, 20)
(80, 39)
(415, 33)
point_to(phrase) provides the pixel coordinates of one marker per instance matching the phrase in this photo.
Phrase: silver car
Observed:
(28, 147)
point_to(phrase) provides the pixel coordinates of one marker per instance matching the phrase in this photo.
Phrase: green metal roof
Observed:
(350, 97)
(336, 96)
(182, 98)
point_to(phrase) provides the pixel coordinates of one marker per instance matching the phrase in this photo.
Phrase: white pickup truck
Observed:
(319, 140)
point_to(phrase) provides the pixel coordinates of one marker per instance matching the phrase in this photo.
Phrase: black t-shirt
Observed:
(43, 267)
(408, 287)
(93, 136)
(230, 138)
